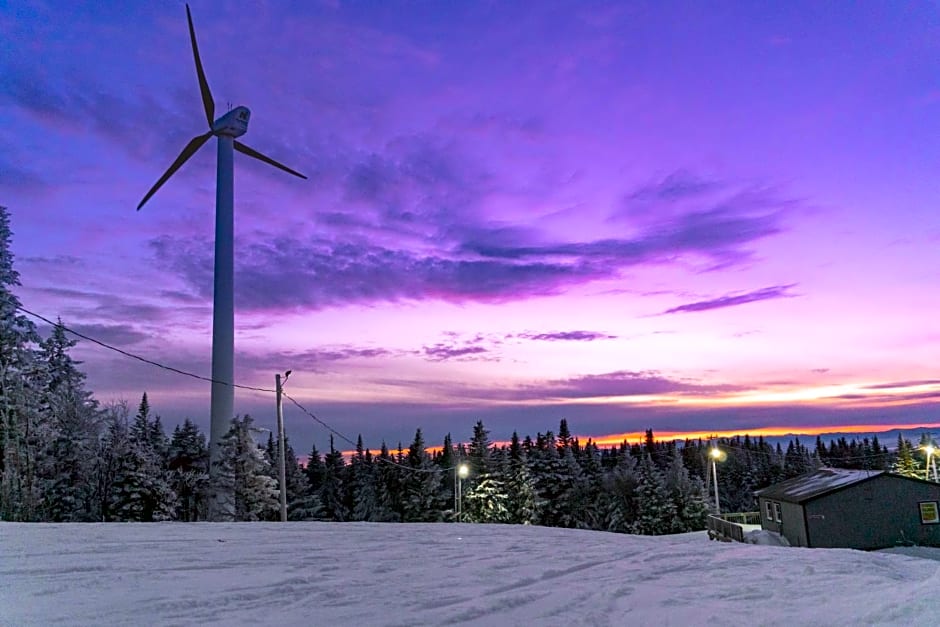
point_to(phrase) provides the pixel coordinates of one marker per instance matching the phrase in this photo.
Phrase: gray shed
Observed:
(855, 509)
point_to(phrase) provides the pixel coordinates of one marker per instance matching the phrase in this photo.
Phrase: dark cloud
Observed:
(57, 261)
(567, 336)
(114, 334)
(14, 174)
(314, 360)
(621, 383)
(902, 384)
(679, 185)
(716, 232)
(413, 232)
(75, 102)
(318, 274)
(445, 352)
(624, 383)
(733, 300)
(914, 397)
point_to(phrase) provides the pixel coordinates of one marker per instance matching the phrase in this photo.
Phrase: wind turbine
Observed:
(226, 128)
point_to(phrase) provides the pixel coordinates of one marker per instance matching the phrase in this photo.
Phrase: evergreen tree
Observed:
(332, 491)
(188, 464)
(142, 489)
(523, 506)
(905, 464)
(386, 488)
(365, 502)
(688, 495)
(421, 485)
(19, 445)
(243, 474)
(71, 418)
(656, 512)
(621, 484)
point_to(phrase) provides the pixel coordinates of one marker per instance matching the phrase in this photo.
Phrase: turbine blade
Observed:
(207, 101)
(251, 152)
(190, 149)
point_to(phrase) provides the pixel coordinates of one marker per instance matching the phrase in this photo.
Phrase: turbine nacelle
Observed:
(232, 124)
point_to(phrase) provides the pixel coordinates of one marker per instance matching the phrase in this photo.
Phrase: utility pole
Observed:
(282, 465)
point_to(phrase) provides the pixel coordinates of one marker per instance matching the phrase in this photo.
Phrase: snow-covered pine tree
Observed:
(688, 495)
(188, 464)
(485, 496)
(19, 489)
(309, 506)
(386, 487)
(142, 489)
(332, 492)
(421, 485)
(904, 463)
(478, 453)
(523, 502)
(72, 426)
(363, 484)
(244, 475)
(655, 511)
(552, 482)
(589, 502)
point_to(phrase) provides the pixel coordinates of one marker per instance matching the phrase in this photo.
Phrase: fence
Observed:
(730, 527)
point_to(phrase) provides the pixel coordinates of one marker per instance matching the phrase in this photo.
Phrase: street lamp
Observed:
(462, 471)
(715, 454)
(930, 450)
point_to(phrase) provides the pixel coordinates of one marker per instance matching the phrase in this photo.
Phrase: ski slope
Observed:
(427, 574)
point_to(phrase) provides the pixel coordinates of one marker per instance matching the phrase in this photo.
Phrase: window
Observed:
(929, 513)
(777, 515)
(768, 510)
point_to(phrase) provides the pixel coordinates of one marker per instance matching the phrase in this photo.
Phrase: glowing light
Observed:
(463, 470)
(715, 453)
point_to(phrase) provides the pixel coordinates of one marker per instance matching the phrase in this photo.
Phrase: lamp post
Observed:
(930, 450)
(462, 471)
(715, 453)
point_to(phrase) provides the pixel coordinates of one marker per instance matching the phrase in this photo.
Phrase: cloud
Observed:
(313, 360)
(317, 274)
(612, 384)
(443, 352)
(567, 336)
(733, 300)
(902, 384)
(678, 185)
(114, 334)
(624, 383)
(412, 228)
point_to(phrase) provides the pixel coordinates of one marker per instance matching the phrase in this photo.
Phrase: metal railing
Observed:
(728, 527)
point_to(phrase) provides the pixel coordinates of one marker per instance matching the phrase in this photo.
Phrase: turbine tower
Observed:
(226, 128)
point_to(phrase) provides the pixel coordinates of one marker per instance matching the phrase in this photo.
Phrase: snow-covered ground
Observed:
(424, 574)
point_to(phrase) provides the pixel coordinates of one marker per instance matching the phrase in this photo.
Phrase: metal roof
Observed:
(809, 486)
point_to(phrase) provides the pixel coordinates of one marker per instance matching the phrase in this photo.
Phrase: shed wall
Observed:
(875, 514)
(791, 525)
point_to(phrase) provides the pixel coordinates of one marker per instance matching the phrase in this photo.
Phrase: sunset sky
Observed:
(682, 216)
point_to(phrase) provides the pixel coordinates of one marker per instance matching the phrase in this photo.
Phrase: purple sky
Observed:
(629, 215)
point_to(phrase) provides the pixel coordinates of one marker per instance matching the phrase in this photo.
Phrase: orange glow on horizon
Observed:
(615, 439)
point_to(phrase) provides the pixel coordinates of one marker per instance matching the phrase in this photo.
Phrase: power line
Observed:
(139, 358)
(356, 444)
(193, 375)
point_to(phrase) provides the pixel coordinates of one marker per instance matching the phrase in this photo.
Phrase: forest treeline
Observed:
(64, 457)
